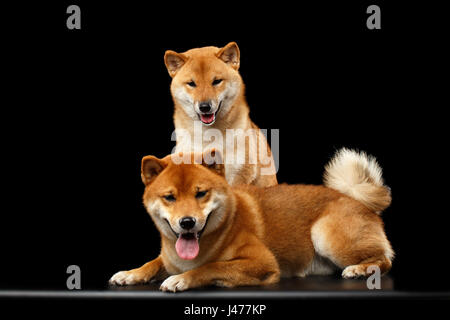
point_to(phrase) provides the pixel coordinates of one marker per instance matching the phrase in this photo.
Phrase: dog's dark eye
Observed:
(216, 82)
(192, 84)
(201, 194)
(170, 198)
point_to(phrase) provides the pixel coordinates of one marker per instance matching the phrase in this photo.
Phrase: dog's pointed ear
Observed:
(174, 61)
(151, 168)
(213, 160)
(230, 55)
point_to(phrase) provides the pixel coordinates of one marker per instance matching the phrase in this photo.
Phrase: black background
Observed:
(80, 108)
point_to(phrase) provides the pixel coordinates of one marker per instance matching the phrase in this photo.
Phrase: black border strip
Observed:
(193, 295)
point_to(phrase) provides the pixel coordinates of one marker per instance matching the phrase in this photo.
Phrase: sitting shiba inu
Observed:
(208, 91)
(215, 234)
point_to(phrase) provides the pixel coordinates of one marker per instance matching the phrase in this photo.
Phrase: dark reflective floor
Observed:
(309, 288)
(311, 283)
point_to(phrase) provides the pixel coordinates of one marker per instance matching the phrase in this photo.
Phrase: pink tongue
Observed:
(187, 249)
(207, 118)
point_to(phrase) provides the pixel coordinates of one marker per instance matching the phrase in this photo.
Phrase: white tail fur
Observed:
(358, 176)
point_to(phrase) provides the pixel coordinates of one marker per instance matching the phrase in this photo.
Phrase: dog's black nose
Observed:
(205, 106)
(187, 223)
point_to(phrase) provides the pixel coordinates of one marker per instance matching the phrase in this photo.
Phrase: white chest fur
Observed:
(234, 145)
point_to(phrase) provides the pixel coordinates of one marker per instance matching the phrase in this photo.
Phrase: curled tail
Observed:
(358, 176)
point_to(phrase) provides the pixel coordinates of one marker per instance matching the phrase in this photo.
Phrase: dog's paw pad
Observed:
(124, 278)
(353, 272)
(175, 284)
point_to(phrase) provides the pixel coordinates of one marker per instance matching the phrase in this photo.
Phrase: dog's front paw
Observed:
(126, 278)
(176, 283)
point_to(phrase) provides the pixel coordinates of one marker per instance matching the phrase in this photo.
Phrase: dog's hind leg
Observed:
(363, 268)
(352, 239)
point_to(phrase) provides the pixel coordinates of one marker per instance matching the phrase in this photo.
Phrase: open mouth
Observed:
(187, 245)
(209, 118)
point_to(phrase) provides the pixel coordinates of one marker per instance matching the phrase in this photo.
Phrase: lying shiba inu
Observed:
(207, 89)
(215, 234)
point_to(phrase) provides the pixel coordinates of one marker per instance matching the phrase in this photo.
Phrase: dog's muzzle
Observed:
(206, 116)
